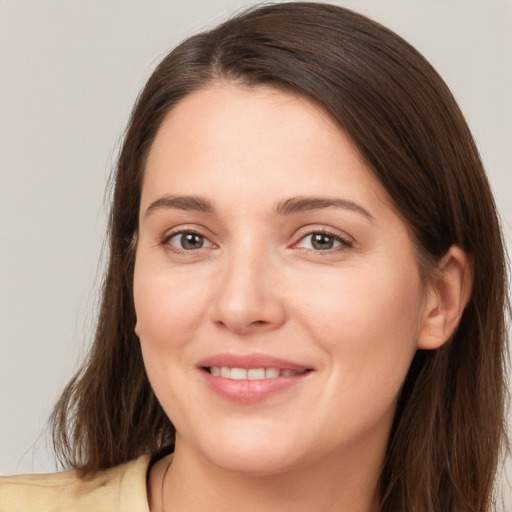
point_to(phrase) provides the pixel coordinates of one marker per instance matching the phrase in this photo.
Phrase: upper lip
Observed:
(250, 361)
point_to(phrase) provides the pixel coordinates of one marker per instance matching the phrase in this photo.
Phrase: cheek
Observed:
(169, 311)
(367, 325)
(167, 308)
(368, 305)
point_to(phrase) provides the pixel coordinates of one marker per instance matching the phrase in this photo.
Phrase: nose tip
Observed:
(248, 300)
(242, 321)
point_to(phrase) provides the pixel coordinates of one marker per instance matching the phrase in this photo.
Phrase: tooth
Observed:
(225, 372)
(271, 373)
(288, 373)
(215, 370)
(238, 373)
(256, 373)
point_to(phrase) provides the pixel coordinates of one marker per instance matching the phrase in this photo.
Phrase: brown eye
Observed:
(189, 241)
(322, 242)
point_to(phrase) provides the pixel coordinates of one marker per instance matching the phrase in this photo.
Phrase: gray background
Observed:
(69, 74)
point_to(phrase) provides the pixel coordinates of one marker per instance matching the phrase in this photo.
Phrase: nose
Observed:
(249, 297)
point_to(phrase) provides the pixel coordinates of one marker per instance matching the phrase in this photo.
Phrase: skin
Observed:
(353, 310)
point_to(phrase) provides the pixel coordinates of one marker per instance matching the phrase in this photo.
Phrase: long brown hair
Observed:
(449, 424)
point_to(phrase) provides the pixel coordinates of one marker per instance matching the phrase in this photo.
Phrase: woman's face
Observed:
(277, 292)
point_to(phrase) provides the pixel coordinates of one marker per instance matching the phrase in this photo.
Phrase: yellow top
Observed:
(119, 489)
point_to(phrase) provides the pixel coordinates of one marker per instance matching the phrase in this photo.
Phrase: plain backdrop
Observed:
(69, 75)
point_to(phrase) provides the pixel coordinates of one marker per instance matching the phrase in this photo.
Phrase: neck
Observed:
(337, 483)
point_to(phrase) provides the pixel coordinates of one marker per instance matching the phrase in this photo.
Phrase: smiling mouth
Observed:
(252, 378)
(235, 373)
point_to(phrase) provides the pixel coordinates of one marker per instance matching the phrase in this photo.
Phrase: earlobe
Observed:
(446, 299)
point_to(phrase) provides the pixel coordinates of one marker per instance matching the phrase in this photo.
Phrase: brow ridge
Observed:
(304, 203)
(287, 207)
(188, 203)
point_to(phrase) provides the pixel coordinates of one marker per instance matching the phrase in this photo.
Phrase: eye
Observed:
(188, 241)
(320, 241)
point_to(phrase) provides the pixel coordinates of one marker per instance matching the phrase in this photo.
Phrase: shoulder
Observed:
(122, 488)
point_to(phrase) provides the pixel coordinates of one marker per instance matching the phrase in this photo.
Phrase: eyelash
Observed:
(344, 243)
(166, 241)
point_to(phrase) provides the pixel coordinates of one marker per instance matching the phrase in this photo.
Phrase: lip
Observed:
(251, 361)
(251, 391)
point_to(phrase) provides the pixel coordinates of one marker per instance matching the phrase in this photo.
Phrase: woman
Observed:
(306, 291)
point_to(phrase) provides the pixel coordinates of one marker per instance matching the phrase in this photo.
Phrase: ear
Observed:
(446, 299)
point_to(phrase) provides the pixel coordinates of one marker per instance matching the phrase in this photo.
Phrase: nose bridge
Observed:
(248, 295)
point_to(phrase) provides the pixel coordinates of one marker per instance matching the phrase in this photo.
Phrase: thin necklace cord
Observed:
(163, 482)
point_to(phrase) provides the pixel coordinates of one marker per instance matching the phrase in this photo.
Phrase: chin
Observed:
(253, 461)
(259, 454)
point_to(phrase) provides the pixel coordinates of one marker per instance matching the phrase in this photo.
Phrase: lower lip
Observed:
(251, 391)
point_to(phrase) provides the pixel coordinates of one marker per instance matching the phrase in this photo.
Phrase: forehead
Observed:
(259, 140)
(211, 118)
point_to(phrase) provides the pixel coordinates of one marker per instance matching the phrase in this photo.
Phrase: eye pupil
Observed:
(320, 241)
(191, 241)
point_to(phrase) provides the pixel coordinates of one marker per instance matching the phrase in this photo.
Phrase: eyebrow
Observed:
(287, 207)
(188, 203)
(302, 204)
